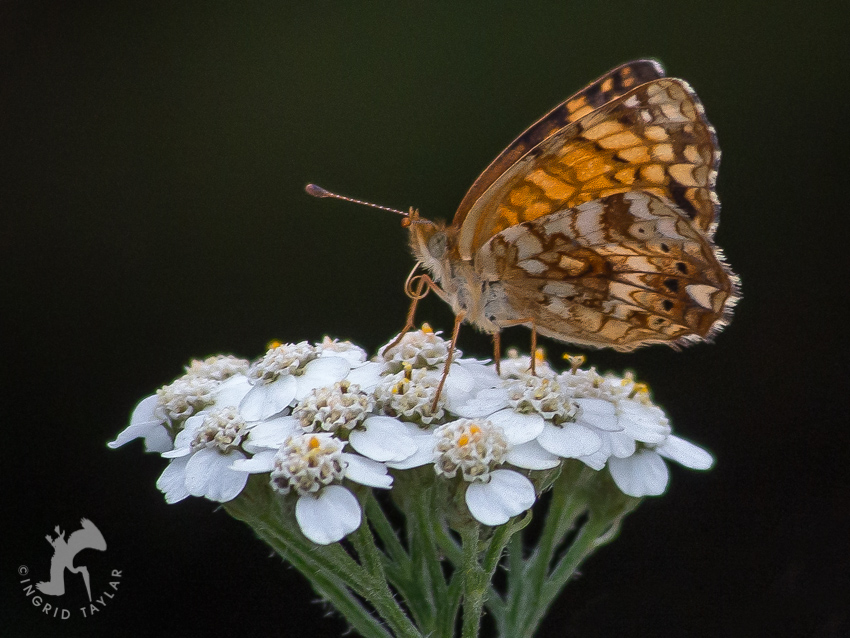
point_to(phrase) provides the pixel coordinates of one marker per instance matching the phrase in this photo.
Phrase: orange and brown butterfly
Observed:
(595, 226)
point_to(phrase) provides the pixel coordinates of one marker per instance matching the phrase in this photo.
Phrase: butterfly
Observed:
(594, 227)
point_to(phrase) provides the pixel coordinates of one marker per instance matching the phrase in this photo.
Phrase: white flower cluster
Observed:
(315, 417)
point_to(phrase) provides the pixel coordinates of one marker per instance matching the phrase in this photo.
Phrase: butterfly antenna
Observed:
(318, 191)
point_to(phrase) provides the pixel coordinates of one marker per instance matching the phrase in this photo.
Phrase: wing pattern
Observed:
(653, 138)
(622, 271)
(596, 94)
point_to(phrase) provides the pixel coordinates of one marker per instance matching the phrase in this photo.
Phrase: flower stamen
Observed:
(222, 429)
(308, 462)
(473, 447)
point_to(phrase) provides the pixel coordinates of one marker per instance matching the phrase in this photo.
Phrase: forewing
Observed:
(654, 138)
(623, 271)
(598, 93)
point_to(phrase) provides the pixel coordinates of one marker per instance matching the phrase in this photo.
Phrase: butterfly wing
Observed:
(598, 93)
(622, 271)
(652, 138)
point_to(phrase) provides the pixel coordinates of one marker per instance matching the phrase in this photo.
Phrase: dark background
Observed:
(152, 160)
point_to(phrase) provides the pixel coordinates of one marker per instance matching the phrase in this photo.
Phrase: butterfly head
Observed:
(431, 242)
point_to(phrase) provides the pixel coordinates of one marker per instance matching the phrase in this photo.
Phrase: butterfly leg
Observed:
(458, 320)
(416, 287)
(518, 322)
(533, 349)
(497, 351)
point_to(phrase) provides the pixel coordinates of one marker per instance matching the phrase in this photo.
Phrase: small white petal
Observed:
(570, 441)
(643, 474)
(177, 452)
(190, 427)
(507, 494)
(145, 410)
(367, 376)
(321, 373)
(531, 456)
(354, 356)
(272, 433)
(154, 433)
(483, 403)
(685, 453)
(484, 375)
(366, 471)
(183, 440)
(459, 379)
(145, 424)
(598, 459)
(265, 400)
(383, 439)
(643, 423)
(158, 440)
(208, 474)
(424, 440)
(621, 444)
(598, 413)
(260, 463)
(232, 391)
(518, 428)
(172, 481)
(329, 516)
(135, 431)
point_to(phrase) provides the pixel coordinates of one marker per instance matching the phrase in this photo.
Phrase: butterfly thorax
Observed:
(462, 286)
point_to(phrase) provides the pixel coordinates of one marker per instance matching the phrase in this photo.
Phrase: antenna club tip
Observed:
(316, 191)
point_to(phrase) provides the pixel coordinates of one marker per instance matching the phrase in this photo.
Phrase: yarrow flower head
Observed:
(282, 359)
(222, 429)
(214, 382)
(217, 368)
(308, 462)
(354, 354)
(418, 349)
(288, 373)
(203, 453)
(316, 417)
(314, 465)
(541, 395)
(411, 395)
(476, 448)
(184, 397)
(341, 406)
(473, 447)
(515, 366)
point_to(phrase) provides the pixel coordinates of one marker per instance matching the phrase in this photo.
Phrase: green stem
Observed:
(368, 553)
(525, 584)
(325, 566)
(501, 537)
(448, 545)
(379, 593)
(598, 531)
(448, 615)
(495, 549)
(318, 571)
(425, 552)
(568, 502)
(474, 582)
(398, 566)
(385, 531)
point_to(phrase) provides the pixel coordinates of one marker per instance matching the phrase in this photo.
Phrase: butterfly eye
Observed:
(437, 245)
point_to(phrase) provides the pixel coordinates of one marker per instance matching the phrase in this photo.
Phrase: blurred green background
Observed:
(152, 163)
